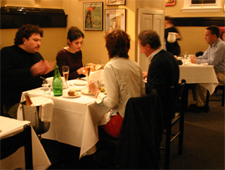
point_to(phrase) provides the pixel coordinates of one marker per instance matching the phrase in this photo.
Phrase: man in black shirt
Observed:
(21, 68)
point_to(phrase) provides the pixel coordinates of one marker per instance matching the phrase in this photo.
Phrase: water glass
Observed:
(47, 89)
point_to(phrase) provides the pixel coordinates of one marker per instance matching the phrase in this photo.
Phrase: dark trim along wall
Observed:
(199, 21)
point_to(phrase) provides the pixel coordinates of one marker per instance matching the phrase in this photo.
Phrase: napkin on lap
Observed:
(45, 109)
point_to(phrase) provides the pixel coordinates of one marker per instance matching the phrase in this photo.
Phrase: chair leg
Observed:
(28, 147)
(223, 98)
(167, 149)
(181, 136)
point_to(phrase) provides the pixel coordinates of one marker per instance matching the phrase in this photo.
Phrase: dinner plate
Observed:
(67, 96)
(86, 91)
(80, 82)
(83, 78)
(77, 88)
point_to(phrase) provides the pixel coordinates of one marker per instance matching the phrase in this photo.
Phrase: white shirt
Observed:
(123, 79)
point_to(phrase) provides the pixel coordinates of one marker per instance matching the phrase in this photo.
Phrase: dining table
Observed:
(201, 74)
(75, 120)
(10, 127)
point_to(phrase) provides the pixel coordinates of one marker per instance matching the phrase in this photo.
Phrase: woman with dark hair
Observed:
(71, 55)
(222, 35)
(174, 47)
(123, 79)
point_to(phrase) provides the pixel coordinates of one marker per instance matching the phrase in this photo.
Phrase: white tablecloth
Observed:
(74, 121)
(9, 127)
(199, 74)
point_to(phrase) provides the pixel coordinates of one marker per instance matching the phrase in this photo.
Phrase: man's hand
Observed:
(144, 74)
(193, 59)
(42, 67)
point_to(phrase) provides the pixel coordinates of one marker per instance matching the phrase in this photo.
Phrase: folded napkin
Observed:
(45, 109)
(97, 76)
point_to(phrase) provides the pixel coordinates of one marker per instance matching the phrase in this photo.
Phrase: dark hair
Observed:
(214, 30)
(117, 43)
(149, 37)
(221, 35)
(169, 19)
(74, 33)
(25, 32)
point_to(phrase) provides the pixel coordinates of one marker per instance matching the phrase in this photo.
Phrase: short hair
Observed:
(214, 30)
(74, 33)
(25, 32)
(149, 37)
(117, 43)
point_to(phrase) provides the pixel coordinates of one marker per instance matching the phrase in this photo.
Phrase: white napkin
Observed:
(97, 76)
(45, 109)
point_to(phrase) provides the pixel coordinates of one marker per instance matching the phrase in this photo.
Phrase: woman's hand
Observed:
(93, 88)
(81, 71)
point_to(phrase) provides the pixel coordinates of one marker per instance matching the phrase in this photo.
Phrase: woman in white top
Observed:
(123, 79)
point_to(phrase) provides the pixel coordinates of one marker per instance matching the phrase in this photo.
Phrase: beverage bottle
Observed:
(28, 100)
(57, 84)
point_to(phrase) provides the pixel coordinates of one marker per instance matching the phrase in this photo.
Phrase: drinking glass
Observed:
(87, 69)
(65, 71)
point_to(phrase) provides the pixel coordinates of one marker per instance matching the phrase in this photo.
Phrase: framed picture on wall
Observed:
(115, 19)
(170, 2)
(93, 16)
(115, 2)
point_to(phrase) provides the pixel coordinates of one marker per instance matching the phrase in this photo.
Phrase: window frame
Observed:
(189, 7)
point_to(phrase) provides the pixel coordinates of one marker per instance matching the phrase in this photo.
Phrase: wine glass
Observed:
(65, 71)
(87, 69)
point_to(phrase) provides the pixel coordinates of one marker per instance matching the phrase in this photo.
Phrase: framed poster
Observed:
(115, 2)
(170, 2)
(93, 16)
(115, 19)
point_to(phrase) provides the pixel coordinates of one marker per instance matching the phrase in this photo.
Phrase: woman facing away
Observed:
(71, 55)
(174, 48)
(123, 79)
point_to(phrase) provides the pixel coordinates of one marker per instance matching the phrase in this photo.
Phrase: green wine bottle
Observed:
(57, 84)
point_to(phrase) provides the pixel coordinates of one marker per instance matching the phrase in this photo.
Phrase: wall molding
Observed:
(198, 21)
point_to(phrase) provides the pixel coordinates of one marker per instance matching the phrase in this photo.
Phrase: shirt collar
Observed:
(214, 44)
(154, 53)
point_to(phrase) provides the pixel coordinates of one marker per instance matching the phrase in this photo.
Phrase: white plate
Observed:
(80, 82)
(67, 96)
(84, 78)
(86, 91)
(76, 88)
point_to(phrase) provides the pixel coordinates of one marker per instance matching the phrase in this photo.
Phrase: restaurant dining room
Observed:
(83, 85)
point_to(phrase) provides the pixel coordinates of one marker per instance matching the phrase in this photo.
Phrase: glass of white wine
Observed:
(87, 69)
(65, 72)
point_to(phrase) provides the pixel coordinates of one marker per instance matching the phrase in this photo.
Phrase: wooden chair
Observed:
(178, 118)
(12, 144)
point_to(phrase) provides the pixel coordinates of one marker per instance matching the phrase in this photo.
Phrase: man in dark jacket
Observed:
(21, 68)
(163, 72)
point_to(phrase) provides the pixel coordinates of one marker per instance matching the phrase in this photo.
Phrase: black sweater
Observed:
(15, 74)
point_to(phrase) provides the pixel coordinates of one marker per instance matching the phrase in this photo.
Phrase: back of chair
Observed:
(141, 133)
(12, 144)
